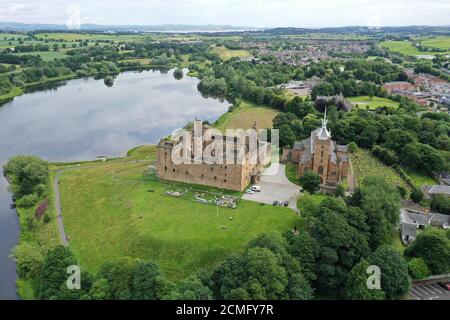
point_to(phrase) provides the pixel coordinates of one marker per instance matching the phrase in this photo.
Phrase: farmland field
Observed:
(406, 48)
(438, 42)
(109, 213)
(226, 54)
(362, 102)
(45, 55)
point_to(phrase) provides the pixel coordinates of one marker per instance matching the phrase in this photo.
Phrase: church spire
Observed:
(325, 120)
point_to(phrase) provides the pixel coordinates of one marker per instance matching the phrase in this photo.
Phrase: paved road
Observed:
(276, 186)
(428, 292)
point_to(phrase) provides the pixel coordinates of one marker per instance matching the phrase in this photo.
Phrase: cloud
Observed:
(260, 13)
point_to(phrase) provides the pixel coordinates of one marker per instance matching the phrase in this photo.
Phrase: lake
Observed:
(84, 119)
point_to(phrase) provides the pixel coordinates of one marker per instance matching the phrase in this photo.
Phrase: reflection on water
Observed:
(84, 119)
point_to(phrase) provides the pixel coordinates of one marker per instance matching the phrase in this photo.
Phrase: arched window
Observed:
(320, 171)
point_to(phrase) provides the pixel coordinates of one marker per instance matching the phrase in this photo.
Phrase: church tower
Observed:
(322, 146)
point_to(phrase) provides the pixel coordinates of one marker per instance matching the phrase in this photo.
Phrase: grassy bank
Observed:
(110, 213)
(366, 102)
(245, 116)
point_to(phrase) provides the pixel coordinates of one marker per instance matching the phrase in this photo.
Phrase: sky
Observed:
(252, 13)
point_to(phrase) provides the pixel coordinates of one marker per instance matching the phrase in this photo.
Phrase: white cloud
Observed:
(260, 13)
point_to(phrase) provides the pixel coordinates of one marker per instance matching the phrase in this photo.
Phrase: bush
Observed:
(440, 204)
(47, 218)
(340, 191)
(416, 195)
(418, 269)
(352, 147)
(310, 182)
(27, 201)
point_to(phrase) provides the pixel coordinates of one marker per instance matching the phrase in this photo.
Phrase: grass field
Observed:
(107, 218)
(364, 102)
(90, 37)
(226, 54)
(438, 42)
(419, 178)
(245, 116)
(366, 165)
(45, 55)
(406, 48)
(291, 173)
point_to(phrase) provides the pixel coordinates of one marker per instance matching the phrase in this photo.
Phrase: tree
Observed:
(305, 248)
(120, 275)
(109, 81)
(356, 285)
(380, 202)
(310, 182)
(100, 290)
(287, 136)
(262, 274)
(418, 269)
(29, 259)
(416, 195)
(26, 173)
(340, 191)
(434, 248)
(149, 282)
(395, 281)
(178, 74)
(441, 204)
(191, 288)
(53, 274)
(341, 246)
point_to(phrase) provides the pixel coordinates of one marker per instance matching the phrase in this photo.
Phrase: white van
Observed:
(256, 188)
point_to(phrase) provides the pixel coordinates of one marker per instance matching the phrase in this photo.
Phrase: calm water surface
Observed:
(84, 119)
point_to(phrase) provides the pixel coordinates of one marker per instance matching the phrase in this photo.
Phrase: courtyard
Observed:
(275, 186)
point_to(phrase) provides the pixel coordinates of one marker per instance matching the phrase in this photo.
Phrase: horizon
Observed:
(308, 14)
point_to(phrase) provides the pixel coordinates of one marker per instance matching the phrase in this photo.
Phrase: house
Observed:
(320, 154)
(413, 220)
(339, 100)
(430, 191)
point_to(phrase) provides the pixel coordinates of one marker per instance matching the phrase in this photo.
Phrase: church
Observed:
(320, 154)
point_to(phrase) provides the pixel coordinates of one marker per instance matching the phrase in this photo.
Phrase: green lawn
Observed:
(364, 102)
(245, 116)
(226, 54)
(45, 55)
(366, 165)
(406, 48)
(107, 218)
(419, 178)
(291, 173)
(438, 42)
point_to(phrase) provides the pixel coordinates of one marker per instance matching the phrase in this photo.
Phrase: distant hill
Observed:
(17, 26)
(210, 28)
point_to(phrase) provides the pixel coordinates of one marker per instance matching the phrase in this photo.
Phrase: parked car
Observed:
(256, 188)
(286, 203)
(249, 191)
(445, 285)
(275, 203)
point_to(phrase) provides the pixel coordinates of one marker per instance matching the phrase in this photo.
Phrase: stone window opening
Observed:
(320, 170)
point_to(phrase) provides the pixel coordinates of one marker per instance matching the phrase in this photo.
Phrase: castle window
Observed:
(165, 168)
(225, 180)
(320, 170)
(226, 167)
(187, 173)
(202, 176)
(215, 178)
(173, 170)
(213, 153)
(212, 169)
(321, 154)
